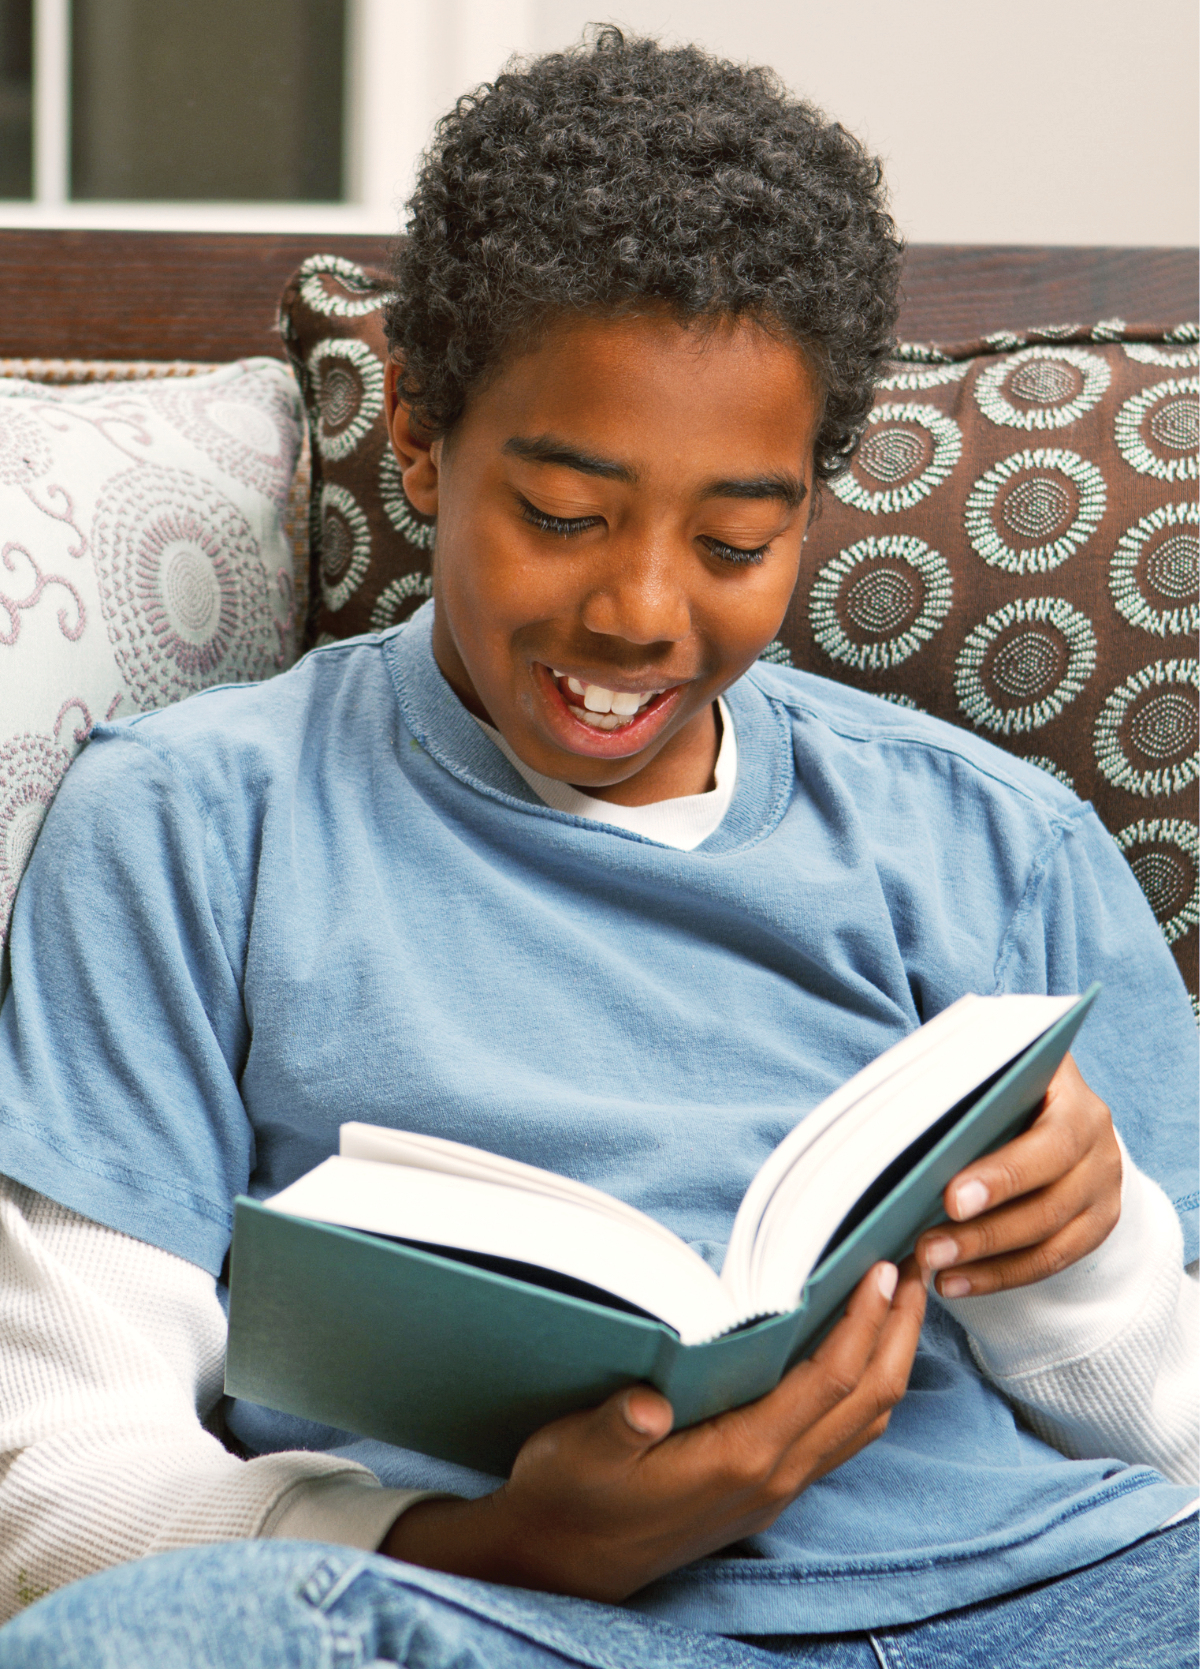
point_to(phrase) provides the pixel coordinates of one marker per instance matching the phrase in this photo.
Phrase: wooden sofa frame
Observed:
(181, 295)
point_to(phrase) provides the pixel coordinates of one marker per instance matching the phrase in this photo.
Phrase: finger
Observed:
(863, 1415)
(900, 1326)
(1071, 1122)
(1091, 1193)
(767, 1452)
(761, 1431)
(1035, 1263)
(840, 1360)
(884, 1378)
(1010, 1228)
(621, 1430)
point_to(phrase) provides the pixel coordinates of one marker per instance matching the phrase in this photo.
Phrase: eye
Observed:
(734, 554)
(563, 526)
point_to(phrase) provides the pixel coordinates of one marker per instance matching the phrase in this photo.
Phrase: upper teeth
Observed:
(596, 699)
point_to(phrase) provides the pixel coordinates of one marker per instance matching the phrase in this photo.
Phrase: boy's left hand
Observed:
(1034, 1206)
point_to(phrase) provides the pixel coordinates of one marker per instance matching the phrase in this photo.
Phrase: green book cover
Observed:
(380, 1338)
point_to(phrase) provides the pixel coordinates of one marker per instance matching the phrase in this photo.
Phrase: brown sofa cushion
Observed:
(1014, 549)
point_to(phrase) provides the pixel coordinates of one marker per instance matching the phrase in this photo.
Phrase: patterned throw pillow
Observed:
(1014, 549)
(62, 372)
(143, 557)
(370, 549)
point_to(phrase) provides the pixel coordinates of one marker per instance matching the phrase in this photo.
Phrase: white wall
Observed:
(1035, 121)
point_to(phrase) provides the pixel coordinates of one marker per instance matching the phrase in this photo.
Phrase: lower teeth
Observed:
(603, 721)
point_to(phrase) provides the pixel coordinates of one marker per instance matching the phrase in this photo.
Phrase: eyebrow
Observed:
(789, 489)
(547, 449)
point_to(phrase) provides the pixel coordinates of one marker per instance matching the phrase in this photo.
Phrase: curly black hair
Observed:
(624, 172)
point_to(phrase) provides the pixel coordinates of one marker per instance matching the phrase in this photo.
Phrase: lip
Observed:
(574, 736)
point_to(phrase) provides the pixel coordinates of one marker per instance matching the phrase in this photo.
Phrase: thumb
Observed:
(631, 1422)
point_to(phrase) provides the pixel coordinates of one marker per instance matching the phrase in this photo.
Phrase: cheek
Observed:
(494, 601)
(750, 618)
(471, 574)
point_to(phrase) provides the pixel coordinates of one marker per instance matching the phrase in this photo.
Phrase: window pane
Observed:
(16, 98)
(207, 100)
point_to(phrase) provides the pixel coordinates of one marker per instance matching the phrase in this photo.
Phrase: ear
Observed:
(417, 455)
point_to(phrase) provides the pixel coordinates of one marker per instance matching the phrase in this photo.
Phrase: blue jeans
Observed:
(296, 1605)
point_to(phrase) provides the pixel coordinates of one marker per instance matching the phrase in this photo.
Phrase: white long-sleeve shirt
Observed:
(111, 1358)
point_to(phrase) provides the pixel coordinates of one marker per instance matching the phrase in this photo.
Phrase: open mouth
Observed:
(601, 708)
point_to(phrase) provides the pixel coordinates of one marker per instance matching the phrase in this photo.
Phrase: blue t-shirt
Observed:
(269, 910)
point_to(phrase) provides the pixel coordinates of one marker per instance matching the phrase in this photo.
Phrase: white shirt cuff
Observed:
(350, 1508)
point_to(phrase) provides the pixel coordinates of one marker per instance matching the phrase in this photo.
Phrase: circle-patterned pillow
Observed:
(1063, 517)
(876, 603)
(179, 568)
(145, 555)
(370, 550)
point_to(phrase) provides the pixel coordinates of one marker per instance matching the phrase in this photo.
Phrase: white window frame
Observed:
(406, 60)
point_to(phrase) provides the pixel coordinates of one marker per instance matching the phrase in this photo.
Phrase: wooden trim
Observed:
(183, 295)
(953, 293)
(152, 295)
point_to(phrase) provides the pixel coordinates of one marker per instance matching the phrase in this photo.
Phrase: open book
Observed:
(449, 1299)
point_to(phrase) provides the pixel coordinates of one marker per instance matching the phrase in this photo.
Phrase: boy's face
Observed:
(620, 515)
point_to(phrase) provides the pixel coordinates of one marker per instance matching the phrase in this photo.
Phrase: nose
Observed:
(640, 596)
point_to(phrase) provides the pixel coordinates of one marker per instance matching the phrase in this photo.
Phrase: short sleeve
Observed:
(122, 1032)
(1083, 918)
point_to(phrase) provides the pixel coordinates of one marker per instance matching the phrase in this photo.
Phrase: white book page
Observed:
(665, 1277)
(438, 1153)
(915, 1096)
(816, 1195)
(737, 1270)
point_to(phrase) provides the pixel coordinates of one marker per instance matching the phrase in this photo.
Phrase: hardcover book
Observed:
(450, 1300)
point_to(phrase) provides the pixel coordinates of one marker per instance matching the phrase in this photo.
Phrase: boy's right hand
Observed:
(602, 1502)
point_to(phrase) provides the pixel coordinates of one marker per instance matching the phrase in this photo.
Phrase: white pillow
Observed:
(142, 556)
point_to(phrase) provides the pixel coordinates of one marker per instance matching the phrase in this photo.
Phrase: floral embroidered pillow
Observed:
(143, 556)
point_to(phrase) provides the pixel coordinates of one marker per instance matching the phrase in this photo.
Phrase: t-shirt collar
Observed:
(441, 725)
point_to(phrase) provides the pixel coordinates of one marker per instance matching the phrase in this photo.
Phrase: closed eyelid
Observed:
(563, 526)
(745, 538)
(572, 513)
(737, 555)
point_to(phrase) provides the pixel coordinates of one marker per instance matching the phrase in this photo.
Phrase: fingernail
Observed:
(954, 1286)
(940, 1254)
(632, 1421)
(888, 1276)
(970, 1198)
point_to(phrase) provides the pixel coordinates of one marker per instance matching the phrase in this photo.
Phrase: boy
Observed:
(552, 870)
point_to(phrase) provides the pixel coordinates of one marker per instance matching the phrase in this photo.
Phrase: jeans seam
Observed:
(325, 1581)
(883, 1652)
(349, 1575)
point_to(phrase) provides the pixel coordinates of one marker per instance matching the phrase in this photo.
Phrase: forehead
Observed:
(651, 385)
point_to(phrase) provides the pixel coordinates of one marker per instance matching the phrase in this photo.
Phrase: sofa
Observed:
(196, 486)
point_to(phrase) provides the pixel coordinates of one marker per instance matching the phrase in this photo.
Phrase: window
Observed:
(207, 100)
(16, 98)
(240, 115)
